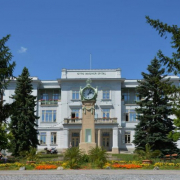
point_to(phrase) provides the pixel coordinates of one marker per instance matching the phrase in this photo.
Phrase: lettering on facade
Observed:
(92, 73)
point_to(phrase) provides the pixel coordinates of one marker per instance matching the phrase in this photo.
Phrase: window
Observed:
(48, 116)
(75, 113)
(130, 96)
(43, 138)
(125, 96)
(106, 113)
(75, 95)
(106, 94)
(45, 97)
(53, 138)
(137, 97)
(131, 115)
(127, 137)
(56, 96)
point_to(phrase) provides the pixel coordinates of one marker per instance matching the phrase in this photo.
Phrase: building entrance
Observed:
(105, 140)
(75, 139)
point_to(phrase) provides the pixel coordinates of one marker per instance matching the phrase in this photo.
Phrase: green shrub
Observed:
(50, 155)
(31, 155)
(73, 157)
(98, 156)
(147, 153)
(84, 158)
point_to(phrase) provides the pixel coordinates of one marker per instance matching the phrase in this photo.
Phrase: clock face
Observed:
(88, 93)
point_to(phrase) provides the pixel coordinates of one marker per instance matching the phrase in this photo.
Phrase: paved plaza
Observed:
(91, 174)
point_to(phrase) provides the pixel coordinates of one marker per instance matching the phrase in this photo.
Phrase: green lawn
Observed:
(130, 157)
(124, 157)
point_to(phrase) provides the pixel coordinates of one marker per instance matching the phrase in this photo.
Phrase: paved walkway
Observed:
(90, 175)
(109, 172)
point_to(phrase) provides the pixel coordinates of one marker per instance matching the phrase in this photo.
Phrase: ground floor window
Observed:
(127, 137)
(42, 138)
(53, 137)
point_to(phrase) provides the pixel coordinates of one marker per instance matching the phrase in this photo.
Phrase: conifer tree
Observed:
(23, 120)
(6, 73)
(154, 111)
(172, 64)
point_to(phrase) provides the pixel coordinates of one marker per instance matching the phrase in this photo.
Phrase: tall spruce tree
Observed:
(172, 64)
(6, 73)
(23, 120)
(154, 111)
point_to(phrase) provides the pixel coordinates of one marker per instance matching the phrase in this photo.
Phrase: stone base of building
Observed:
(115, 150)
(86, 146)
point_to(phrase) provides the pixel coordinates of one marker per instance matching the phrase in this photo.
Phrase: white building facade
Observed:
(60, 109)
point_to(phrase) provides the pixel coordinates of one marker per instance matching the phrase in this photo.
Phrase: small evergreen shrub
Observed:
(98, 156)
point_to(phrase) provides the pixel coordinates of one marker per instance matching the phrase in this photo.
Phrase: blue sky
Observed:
(48, 35)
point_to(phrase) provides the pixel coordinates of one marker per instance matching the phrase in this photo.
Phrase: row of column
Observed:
(114, 139)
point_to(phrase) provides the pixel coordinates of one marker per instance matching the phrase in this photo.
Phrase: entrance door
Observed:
(75, 139)
(105, 138)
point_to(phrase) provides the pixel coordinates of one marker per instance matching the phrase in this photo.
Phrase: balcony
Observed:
(73, 121)
(51, 102)
(129, 101)
(97, 121)
(105, 120)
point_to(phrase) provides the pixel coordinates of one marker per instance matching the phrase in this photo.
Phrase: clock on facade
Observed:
(88, 93)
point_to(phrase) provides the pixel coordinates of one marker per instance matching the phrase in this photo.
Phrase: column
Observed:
(115, 148)
(66, 138)
(99, 137)
(80, 133)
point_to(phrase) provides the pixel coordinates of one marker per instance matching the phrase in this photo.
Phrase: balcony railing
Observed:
(129, 102)
(49, 102)
(73, 121)
(105, 120)
(97, 120)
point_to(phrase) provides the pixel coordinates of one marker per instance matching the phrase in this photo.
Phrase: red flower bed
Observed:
(127, 166)
(44, 167)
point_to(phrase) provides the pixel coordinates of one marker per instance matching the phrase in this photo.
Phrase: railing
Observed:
(105, 120)
(49, 102)
(73, 121)
(129, 102)
(97, 120)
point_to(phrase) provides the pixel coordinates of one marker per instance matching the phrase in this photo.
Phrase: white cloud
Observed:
(22, 50)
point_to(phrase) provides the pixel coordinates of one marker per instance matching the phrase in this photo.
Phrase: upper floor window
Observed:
(131, 115)
(106, 113)
(75, 95)
(106, 94)
(137, 97)
(56, 96)
(75, 113)
(130, 96)
(45, 97)
(48, 115)
(125, 96)
(49, 94)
